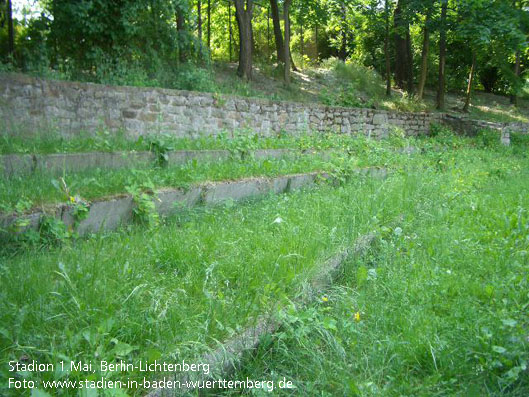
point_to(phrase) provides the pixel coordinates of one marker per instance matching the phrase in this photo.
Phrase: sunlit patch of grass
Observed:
(496, 113)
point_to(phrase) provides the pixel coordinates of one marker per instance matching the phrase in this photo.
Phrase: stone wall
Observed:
(29, 104)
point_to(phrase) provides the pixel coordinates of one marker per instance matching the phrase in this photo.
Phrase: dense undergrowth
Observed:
(438, 307)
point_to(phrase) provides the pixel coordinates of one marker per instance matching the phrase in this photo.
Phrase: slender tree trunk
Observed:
(230, 30)
(277, 32)
(409, 63)
(302, 39)
(268, 29)
(243, 14)
(514, 96)
(424, 57)
(442, 57)
(343, 48)
(403, 61)
(470, 81)
(156, 43)
(286, 6)
(209, 25)
(10, 31)
(180, 27)
(292, 64)
(316, 42)
(386, 50)
(199, 19)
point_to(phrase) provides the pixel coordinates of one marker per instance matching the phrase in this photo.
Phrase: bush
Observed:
(193, 78)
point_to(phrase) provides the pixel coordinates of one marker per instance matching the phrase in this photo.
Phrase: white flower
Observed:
(278, 220)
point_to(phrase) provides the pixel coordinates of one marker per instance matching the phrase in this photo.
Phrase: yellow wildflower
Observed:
(357, 316)
(325, 299)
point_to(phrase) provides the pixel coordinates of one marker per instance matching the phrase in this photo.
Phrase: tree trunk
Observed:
(470, 81)
(442, 58)
(230, 29)
(514, 96)
(403, 60)
(386, 50)
(302, 39)
(343, 48)
(277, 32)
(316, 42)
(268, 29)
(424, 57)
(286, 6)
(199, 20)
(180, 27)
(292, 64)
(156, 43)
(209, 25)
(10, 31)
(243, 14)
(409, 64)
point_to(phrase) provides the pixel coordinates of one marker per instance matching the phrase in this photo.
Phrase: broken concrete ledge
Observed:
(110, 213)
(58, 163)
(224, 359)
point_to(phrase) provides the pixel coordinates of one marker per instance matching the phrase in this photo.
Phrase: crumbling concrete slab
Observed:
(168, 200)
(107, 215)
(17, 164)
(216, 193)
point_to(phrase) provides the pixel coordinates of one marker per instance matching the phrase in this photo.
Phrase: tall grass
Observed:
(437, 307)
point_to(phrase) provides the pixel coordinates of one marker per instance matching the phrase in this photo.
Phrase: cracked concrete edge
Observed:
(225, 358)
(108, 214)
(58, 163)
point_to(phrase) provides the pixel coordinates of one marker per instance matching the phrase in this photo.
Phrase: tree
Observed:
(277, 31)
(425, 49)
(481, 23)
(199, 19)
(286, 6)
(209, 24)
(403, 55)
(386, 47)
(441, 81)
(10, 30)
(181, 29)
(244, 14)
(345, 29)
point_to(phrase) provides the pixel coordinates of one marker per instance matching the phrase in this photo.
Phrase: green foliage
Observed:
(489, 138)
(52, 231)
(160, 145)
(193, 78)
(355, 86)
(407, 103)
(145, 208)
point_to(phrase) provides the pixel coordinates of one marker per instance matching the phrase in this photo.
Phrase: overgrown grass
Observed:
(342, 153)
(144, 294)
(437, 307)
(236, 141)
